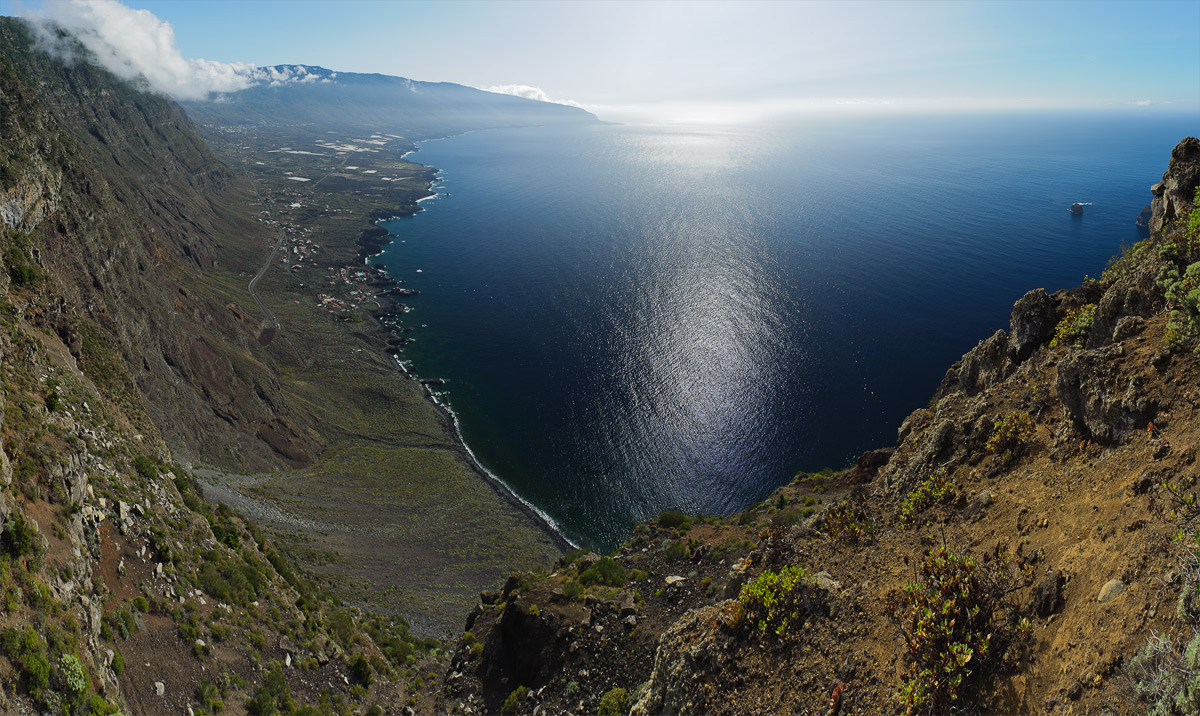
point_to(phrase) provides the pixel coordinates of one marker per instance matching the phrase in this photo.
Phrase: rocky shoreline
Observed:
(371, 243)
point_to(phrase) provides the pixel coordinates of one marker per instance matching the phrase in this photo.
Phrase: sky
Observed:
(684, 58)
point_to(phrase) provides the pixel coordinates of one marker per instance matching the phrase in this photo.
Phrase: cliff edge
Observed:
(1027, 546)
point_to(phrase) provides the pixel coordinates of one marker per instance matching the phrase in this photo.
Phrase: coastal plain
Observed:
(406, 520)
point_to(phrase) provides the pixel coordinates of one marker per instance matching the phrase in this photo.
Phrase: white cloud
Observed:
(1143, 103)
(529, 92)
(135, 44)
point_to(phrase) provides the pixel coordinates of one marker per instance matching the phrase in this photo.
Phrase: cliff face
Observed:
(122, 590)
(1013, 553)
(111, 193)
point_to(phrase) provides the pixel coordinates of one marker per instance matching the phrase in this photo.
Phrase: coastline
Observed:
(371, 243)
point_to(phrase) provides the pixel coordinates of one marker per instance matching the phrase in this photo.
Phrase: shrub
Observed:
(274, 696)
(19, 537)
(947, 619)
(848, 522)
(674, 519)
(938, 488)
(71, 675)
(1010, 435)
(146, 467)
(1180, 280)
(677, 549)
(1075, 327)
(614, 703)
(209, 697)
(512, 704)
(118, 663)
(606, 571)
(27, 650)
(1165, 677)
(775, 601)
(360, 670)
(572, 589)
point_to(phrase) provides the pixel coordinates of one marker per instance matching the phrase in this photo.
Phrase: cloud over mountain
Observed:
(136, 44)
(529, 92)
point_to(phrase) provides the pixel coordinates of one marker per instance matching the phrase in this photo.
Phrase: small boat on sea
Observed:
(1077, 207)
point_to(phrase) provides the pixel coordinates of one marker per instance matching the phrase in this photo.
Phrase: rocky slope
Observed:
(1025, 547)
(111, 195)
(127, 356)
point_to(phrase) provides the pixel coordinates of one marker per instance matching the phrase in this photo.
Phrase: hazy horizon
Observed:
(680, 61)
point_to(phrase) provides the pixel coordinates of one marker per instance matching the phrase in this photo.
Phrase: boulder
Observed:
(1110, 591)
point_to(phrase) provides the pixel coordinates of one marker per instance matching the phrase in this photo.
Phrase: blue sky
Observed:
(713, 57)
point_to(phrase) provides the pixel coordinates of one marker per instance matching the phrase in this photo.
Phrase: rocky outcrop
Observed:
(1105, 400)
(1032, 323)
(687, 653)
(1178, 186)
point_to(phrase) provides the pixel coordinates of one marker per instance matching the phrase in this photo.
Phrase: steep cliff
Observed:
(126, 247)
(110, 194)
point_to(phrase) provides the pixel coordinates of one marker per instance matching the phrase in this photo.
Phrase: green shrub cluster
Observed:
(938, 488)
(1130, 258)
(1166, 677)
(674, 519)
(274, 696)
(512, 704)
(606, 571)
(1074, 328)
(776, 601)
(1010, 435)
(19, 537)
(614, 703)
(848, 522)
(1180, 280)
(947, 617)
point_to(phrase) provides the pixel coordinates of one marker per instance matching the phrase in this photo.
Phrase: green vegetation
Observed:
(19, 538)
(947, 617)
(614, 703)
(1166, 677)
(674, 519)
(938, 488)
(848, 522)
(1180, 280)
(1074, 328)
(274, 696)
(606, 571)
(1010, 436)
(512, 704)
(776, 601)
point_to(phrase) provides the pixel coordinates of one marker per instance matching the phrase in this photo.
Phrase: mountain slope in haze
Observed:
(323, 99)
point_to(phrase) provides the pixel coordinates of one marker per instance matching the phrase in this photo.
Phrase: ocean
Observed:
(636, 318)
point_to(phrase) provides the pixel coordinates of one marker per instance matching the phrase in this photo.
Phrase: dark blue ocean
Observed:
(633, 318)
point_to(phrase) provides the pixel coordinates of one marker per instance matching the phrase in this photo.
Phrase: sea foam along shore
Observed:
(549, 525)
(372, 244)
